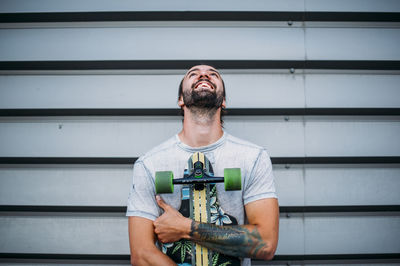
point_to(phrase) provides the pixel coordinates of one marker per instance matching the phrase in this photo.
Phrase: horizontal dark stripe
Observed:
(67, 160)
(333, 257)
(42, 256)
(198, 16)
(109, 257)
(122, 209)
(176, 112)
(79, 209)
(337, 160)
(185, 64)
(355, 208)
(131, 160)
(352, 16)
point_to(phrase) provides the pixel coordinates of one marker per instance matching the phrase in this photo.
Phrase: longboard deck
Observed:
(200, 202)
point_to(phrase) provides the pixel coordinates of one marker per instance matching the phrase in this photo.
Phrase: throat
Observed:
(203, 116)
(201, 127)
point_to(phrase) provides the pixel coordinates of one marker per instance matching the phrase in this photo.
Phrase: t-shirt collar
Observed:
(207, 148)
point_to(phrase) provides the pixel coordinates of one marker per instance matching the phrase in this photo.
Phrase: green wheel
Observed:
(232, 179)
(164, 182)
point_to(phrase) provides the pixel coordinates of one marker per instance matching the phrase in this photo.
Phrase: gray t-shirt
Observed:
(227, 152)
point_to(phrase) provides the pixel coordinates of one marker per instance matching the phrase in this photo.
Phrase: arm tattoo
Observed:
(235, 241)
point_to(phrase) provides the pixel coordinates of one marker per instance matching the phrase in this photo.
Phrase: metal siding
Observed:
(352, 185)
(89, 91)
(151, 90)
(86, 185)
(86, 137)
(123, 137)
(108, 235)
(142, 90)
(151, 5)
(289, 183)
(336, 234)
(299, 136)
(291, 236)
(352, 43)
(352, 136)
(64, 234)
(120, 136)
(151, 43)
(354, 90)
(107, 185)
(353, 5)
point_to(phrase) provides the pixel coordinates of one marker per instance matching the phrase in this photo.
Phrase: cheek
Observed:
(186, 84)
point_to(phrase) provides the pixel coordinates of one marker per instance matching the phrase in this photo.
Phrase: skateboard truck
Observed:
(165, 179)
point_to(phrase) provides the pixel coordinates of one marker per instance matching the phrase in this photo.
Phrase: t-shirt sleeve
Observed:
(260, 184)
(141, 200)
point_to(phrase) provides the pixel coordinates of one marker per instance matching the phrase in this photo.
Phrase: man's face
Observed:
(202, 87)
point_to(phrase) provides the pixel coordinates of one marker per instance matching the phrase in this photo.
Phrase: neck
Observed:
(201, 127)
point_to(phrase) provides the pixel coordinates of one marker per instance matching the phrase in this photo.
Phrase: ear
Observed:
(223, 104)
(180, 102)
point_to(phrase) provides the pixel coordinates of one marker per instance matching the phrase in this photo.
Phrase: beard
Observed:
(202, 99)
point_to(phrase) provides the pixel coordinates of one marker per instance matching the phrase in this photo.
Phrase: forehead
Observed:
(202, 68)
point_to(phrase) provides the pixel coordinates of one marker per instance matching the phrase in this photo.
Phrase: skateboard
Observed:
(199, 202)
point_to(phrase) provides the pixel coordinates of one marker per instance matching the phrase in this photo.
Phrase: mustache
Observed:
(207, 80)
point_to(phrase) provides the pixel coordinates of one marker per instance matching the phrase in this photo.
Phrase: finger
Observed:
(161, 203)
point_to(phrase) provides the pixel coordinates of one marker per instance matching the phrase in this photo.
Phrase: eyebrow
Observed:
(196, 69)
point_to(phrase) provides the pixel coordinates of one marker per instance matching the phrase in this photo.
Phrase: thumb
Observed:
(161, 203)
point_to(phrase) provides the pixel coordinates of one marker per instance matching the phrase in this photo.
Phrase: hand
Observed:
(171, 225)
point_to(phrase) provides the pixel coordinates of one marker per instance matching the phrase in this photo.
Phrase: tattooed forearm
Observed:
(235, 241)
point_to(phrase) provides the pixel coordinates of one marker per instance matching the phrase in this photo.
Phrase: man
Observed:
(154, 218)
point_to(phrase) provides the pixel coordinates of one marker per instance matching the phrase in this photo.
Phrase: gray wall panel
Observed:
(352, 43)
(96, 235)
(123, 137)
(357, 90)
(150, 5)
(87, 185)
(142, 91)
(352, 235)
(207, 5)
(151, 43)
(291, 236)
(89, 91)
(352, 185)
(64, 234)
(160, 90)
(353, 5)
(289, 183)
(294, 136)
(279, 137)
(120, 136)
(155, 43)
(108, 185)
(352, 136)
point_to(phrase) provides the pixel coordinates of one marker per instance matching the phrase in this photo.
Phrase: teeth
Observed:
(203, 84)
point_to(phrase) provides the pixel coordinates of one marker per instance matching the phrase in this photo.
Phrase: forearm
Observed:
(237, 241)
(150, 257)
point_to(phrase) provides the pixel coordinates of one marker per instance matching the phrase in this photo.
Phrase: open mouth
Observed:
(204, 85)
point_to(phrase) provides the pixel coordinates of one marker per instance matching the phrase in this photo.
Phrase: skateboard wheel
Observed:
(232, 179)
(164, 182)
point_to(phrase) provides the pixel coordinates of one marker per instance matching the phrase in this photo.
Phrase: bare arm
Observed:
(256, 240)
(142, 244)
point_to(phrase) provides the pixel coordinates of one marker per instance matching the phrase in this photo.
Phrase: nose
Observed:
(204, 74)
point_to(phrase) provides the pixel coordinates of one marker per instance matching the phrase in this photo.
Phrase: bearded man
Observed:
(253, 212)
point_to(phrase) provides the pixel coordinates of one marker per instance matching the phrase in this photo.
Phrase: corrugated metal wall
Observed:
(88, 86)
